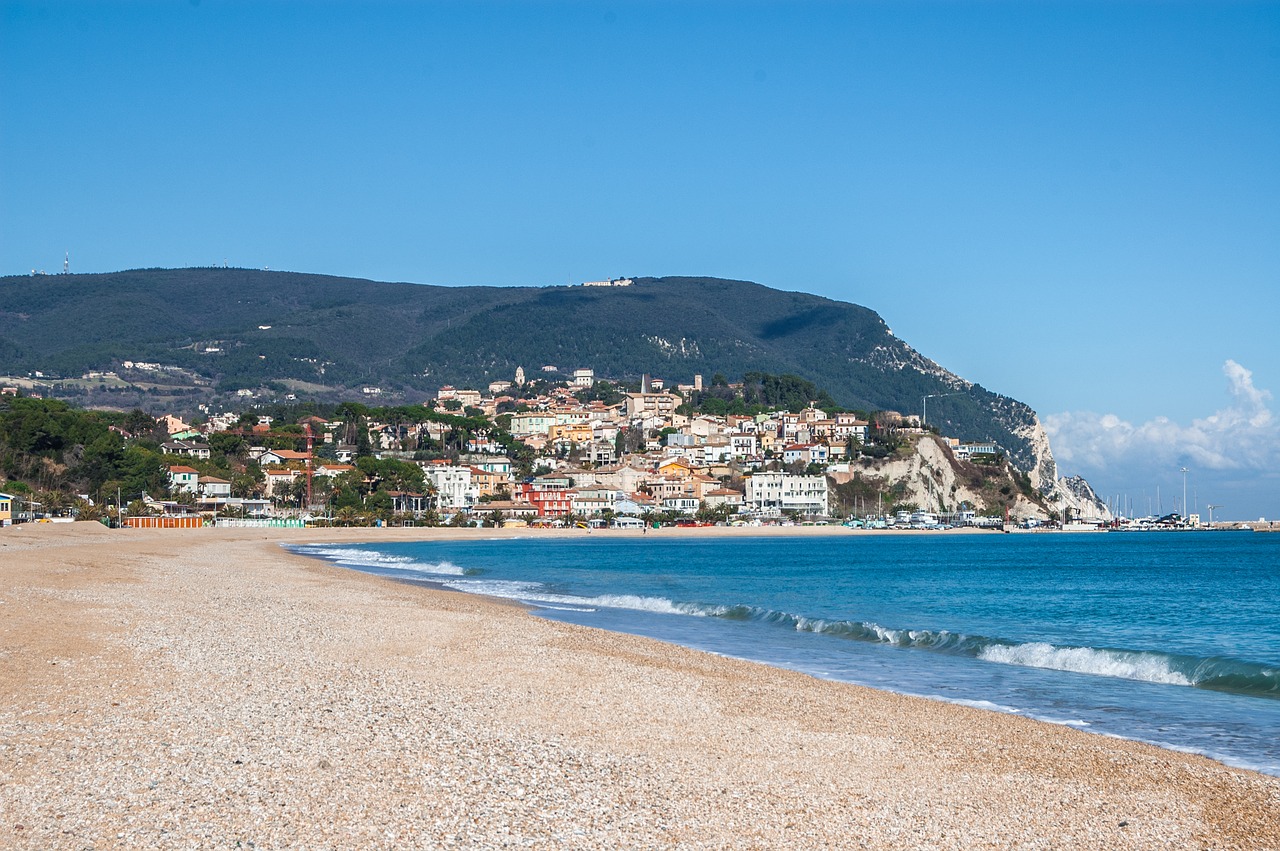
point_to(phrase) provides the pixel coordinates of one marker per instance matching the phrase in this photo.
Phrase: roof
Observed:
(178, 468)
(288, 454)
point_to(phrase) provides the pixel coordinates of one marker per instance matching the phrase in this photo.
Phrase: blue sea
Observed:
(1168, 638)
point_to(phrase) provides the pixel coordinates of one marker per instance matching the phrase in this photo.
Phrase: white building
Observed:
(212, 487)
(771, 494)
(183, 479)
(453, 484)
(584, 377)
(589, 501)
(744, 445)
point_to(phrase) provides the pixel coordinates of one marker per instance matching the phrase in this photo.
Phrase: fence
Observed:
(192, 522)
(261, 523)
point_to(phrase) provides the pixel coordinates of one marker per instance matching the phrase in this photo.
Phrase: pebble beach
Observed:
(207, 689)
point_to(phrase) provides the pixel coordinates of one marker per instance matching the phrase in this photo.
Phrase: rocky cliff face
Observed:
(1024, 440)
(1074, 493)
(931, 478)
(1071, 497)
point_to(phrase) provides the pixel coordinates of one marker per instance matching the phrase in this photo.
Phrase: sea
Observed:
(1171, 638)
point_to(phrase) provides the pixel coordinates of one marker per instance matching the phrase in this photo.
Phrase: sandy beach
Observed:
(207, 689)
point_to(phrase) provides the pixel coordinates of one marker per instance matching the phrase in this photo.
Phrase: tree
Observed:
(227, 444)
(380, 504)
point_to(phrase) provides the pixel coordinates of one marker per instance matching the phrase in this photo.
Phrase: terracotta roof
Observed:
(288, 454)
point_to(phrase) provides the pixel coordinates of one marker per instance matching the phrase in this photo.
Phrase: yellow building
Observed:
(570, 432)
(6, 509)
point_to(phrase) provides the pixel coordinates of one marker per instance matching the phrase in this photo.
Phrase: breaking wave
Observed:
(1215, 673)
(369, 560)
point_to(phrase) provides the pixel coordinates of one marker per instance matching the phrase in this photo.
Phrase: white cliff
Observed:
(930, 477)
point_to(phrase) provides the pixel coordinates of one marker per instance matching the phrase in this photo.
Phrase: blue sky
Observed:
(1074, 204)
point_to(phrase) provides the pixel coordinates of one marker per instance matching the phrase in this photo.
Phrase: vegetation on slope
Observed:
(276, 330)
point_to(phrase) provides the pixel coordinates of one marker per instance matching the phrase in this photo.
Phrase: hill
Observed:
(221, 330)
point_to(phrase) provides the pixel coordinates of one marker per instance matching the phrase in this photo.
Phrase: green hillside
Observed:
(341, 333)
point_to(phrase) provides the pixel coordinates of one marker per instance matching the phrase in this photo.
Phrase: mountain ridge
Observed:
(243, 328)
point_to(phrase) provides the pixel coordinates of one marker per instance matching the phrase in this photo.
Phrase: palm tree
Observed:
(86, 511)
(53, 502)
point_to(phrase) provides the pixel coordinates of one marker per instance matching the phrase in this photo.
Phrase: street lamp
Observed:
(924, 406)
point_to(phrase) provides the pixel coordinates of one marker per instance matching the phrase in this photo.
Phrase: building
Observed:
(509, 510)
(771, 494)
(806, 453)
(744, 445)
(661, 404)
(187, 448)
(847, 426)
(590, 501)
(278, 480)
(529, 423)
(453, 485)
(280, 457)
(212, 487)
(680, 504)
(612, 282)
(967, 451)
(723, 496)
(184, 479)
(488, 483)
(584, 377)
(549, 502)
(499, 464)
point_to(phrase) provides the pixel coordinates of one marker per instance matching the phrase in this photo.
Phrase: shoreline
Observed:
(176, 688)
(983, 703)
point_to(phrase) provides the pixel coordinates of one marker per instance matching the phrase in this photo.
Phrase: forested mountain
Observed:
(322, 336)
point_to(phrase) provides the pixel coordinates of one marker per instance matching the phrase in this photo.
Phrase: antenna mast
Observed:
(66, 264)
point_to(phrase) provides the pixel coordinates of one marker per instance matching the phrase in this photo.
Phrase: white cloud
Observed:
(1243, 436)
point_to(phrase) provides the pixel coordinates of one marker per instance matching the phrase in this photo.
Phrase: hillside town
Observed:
(539, 452)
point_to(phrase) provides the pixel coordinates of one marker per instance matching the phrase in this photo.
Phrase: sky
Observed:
(1073, 204)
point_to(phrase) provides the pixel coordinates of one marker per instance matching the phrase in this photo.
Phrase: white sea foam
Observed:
(351, 557)
(530, 592)
(1147, 667)
(1078, 723)
(508, 588)
(978, 704)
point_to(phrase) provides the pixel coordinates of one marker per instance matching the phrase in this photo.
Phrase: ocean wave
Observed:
(534, 593)
(1215, 673)
(371, 559)
(1147, 667)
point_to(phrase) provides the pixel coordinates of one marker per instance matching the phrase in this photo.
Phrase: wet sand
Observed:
(206, 689)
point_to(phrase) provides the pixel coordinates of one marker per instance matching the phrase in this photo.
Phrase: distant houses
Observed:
(567, 448)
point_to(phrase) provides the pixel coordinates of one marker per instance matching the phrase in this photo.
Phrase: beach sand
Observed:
(206, 689)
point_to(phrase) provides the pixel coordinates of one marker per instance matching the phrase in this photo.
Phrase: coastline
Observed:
(175, 688)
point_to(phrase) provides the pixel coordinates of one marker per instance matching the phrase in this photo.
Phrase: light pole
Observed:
(1184, 472)
(924, 406)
